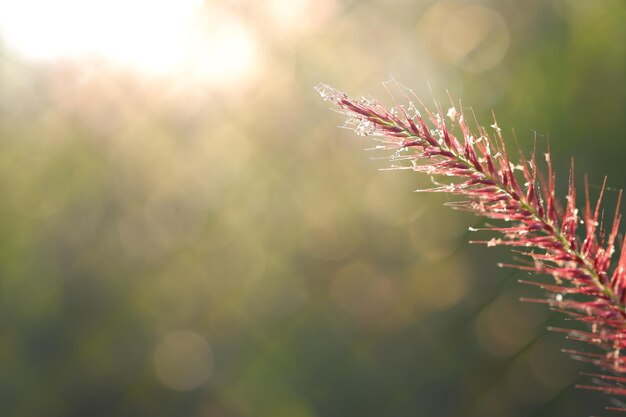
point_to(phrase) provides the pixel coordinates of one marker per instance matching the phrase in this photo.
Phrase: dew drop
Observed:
(493, 242)
(452, 113)
(364, 127)
(367, 102)
(413, 112)
(328, 93)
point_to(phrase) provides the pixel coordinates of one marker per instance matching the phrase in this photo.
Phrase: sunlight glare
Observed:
(298, 17)
(226, 53)
(162, 37)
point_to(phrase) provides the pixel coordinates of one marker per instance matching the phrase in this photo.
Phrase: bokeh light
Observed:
(185, 232)
(476, 38)
(183, 360)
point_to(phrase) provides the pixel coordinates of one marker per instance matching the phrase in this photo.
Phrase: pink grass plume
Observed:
(571, 246)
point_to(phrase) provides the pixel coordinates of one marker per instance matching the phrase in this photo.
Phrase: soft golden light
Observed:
(163, 37)
(298, 17)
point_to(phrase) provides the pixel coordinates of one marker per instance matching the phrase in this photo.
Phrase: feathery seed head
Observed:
(532, 220)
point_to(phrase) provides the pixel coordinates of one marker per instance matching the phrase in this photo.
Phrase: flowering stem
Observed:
(534, 220)
(558, 236)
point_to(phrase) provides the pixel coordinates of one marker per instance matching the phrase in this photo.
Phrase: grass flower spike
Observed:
(588, 279)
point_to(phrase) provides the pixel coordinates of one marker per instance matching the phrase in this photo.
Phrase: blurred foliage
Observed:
(222, 250)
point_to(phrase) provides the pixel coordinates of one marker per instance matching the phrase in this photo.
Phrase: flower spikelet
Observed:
(555, 238)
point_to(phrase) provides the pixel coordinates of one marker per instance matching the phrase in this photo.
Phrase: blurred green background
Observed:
(192, 236)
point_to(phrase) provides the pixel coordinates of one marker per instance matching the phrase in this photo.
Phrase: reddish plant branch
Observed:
(587, 286)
